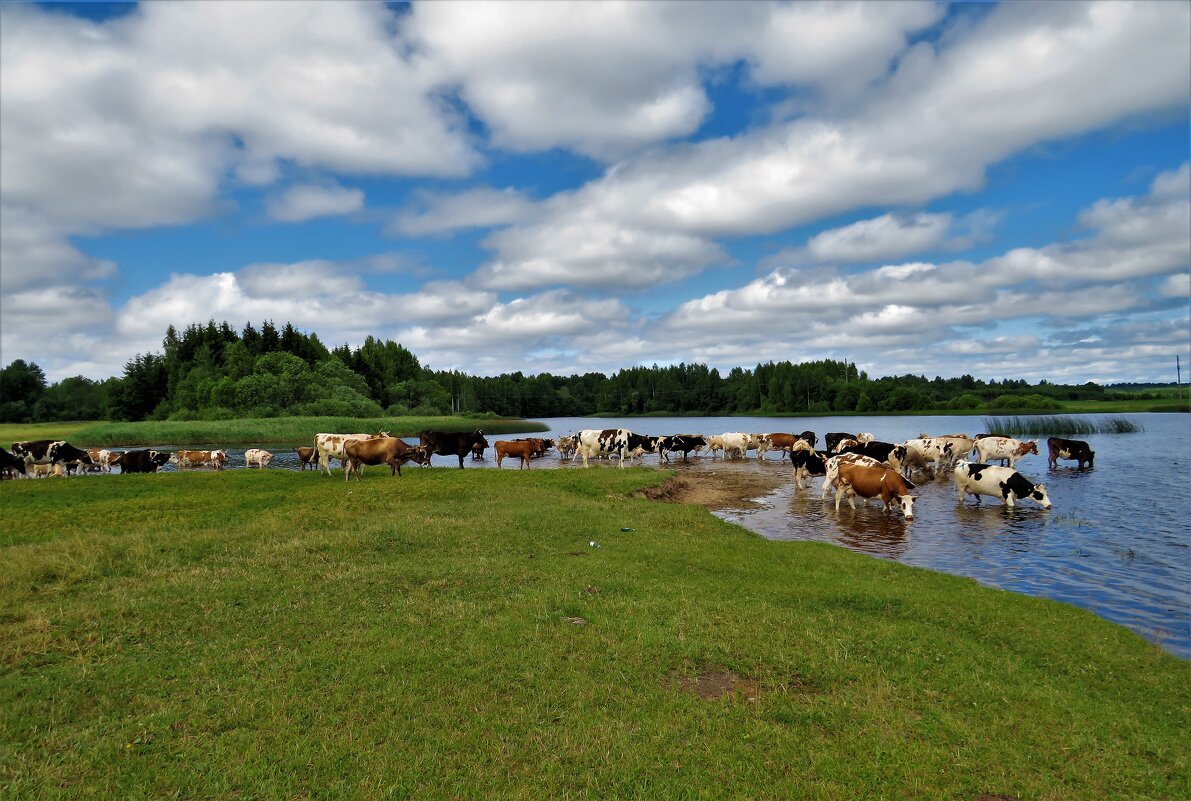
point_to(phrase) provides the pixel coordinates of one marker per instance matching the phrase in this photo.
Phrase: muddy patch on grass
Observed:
(725, 485)
(717, 683)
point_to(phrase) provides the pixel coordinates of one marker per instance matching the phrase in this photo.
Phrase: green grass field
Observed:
(451, 634)
(272, 430)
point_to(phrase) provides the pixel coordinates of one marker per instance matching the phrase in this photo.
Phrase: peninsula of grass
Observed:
(281, 430)
(453, 634)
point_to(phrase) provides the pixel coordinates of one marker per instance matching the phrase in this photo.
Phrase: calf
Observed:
(1006, 449)
(477, 452)
(875, 482)
(567, 446)
(259, 457)
(381, 450)
(997, 482)
(715, 445)
(307, 457)
(452, 443)
(1074, 449)
(518, 449)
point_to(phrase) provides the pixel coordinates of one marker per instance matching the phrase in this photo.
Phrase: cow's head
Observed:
(906, 502)
(1029, 446)
(1039, 496)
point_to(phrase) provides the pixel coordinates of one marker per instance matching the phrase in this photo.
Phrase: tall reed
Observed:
(1058, 425)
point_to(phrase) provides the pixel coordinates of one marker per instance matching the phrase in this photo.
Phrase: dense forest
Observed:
(213, 372)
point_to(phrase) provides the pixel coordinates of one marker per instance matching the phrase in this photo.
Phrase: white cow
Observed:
(735, 442)
(998, 482)
(926, 449)
(258, 457)
(1004, 449)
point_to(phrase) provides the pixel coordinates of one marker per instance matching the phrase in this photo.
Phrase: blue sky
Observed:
(1001, 190)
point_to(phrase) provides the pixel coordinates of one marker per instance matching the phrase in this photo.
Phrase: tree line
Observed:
(214, 372)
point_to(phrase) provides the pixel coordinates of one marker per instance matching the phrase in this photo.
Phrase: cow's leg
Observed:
(461, 461)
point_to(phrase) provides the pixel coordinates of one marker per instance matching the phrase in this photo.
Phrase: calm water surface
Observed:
(1116, 541)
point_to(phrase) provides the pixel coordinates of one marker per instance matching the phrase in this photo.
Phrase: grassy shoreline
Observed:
(432, 635)
(272, 430)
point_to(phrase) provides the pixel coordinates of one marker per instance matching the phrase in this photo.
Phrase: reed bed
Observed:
(1058, 425)
(281, 430)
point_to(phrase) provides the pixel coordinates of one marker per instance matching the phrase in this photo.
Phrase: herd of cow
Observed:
(852, 464)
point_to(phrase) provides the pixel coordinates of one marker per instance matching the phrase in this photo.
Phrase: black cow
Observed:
(10, 462)
(833, 439)
(1074, 449)
(680, 442)
(141, 461)
(887, 452)
(452, 444)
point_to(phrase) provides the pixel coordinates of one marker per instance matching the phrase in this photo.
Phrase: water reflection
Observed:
(871, 530)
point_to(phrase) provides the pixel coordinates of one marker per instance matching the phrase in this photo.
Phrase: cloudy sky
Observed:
(1000, 190)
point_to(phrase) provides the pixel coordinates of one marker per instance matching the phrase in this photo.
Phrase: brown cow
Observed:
(521, 449)
(382, 450)
(874, 482)
(307, 457)
(540, 445)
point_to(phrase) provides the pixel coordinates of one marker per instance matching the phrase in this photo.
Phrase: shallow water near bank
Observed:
(1116, 541)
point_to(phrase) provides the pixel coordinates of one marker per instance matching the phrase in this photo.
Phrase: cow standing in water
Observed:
(997, 482)
(875, 482)
(1074, 449)
(452, 444)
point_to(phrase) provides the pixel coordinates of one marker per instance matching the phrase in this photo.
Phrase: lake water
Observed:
(1116, 541)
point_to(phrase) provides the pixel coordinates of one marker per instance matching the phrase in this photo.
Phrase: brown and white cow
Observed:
(1006, 449)
(257, 456)
(381, 450)
(831, 473)
(1074, 449)
(875, 482)
(784, 443)
(330, 446)
(185, 459)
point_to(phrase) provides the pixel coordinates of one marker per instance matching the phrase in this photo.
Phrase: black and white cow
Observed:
(806, 465)
(833, 439)
(620, 441)
(11, 463)
(681, 442)
(141, 461)
(51, 452)
(1074, 449)
(997, 482)
(886, 452)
